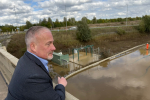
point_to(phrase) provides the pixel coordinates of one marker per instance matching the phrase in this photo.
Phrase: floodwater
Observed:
(123, 78)
(73, 65)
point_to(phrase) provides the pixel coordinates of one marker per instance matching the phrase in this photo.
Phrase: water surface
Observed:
(123, 78)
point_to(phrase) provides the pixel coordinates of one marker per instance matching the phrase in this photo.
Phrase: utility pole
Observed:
(32, 19)
(127, 16)
(66, 17)
(15, 15)
(16, 19)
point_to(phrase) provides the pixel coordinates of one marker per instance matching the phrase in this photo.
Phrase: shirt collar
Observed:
(44, 62)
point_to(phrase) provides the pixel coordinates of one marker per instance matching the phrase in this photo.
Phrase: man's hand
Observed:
(62, 81)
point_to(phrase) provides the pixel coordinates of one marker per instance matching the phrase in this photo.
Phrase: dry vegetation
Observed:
(106, 38)
(109, 43)
(106, 24)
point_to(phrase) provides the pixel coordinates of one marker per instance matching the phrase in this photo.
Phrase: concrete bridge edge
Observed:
(7, 64)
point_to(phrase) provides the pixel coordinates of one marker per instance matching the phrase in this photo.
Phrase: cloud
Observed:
(58, 9)
(4, 5)
(121, 13)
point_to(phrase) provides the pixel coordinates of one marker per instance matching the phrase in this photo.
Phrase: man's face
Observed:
(44, 46)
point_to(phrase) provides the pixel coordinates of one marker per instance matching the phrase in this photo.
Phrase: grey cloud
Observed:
(19, 7)
(69, 3)
(8, 20)
(74, 8)
(46, 4)
(4, 5)
(62, 3)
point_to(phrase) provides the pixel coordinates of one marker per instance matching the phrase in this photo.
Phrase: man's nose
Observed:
(53, 47)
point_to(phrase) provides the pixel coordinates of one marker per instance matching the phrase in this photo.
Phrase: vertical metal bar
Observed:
(73, 53)
(78, 54)
(127, 15)
(86, 51)
(91, 52)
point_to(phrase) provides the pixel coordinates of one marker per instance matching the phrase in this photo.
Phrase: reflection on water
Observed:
(124, 78)
(71, 66)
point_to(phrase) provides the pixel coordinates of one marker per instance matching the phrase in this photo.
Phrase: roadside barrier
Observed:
(7, 67)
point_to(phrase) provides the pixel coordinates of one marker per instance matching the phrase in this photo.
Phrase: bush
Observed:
(83, 32)
(122, 22)
(145, 24)
(141, 27)
(17, 45)
(120, 31)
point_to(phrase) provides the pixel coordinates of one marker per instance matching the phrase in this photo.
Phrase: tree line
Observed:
(70, 22)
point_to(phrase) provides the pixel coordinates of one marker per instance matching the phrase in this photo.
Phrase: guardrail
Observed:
(7, 67)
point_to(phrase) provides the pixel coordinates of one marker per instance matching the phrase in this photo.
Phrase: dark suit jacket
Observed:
(31, 81)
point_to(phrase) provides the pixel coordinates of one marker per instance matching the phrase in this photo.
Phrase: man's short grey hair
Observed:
(30, 34)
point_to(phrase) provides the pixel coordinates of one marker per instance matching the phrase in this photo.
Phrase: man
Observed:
(31, 80)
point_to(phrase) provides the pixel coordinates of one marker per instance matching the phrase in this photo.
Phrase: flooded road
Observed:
(124, 78)
(71, 66)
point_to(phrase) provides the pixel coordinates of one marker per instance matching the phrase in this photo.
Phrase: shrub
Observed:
(141, 27)
(83, 32)
(122, 22)
(145, 24)
(120, 31)
(17, 45)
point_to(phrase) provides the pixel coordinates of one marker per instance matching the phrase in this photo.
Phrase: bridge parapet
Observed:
(7, 67)
(7, 64)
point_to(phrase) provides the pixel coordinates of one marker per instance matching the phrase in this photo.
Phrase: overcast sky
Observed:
(17, 12)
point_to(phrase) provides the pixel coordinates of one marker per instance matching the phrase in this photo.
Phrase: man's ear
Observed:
(33, 47)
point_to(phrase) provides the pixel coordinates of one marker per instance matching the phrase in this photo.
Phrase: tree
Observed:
(6, 29)
(48, 25)
(138, 18)
(84, 19)
(65, 19)
(94, 20)
(145, 24)
(88, 21)
(69, 22)
(57, 23)
(100, 21)
(40, 21)
(44, 22)
(22, 27)
(73, 21)
(119, 19)
(83, 32)
(146, 20)
(141, 27)
(28, 24)
(51, 22)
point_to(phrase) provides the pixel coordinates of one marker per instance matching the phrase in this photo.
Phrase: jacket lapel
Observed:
(37, 61)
